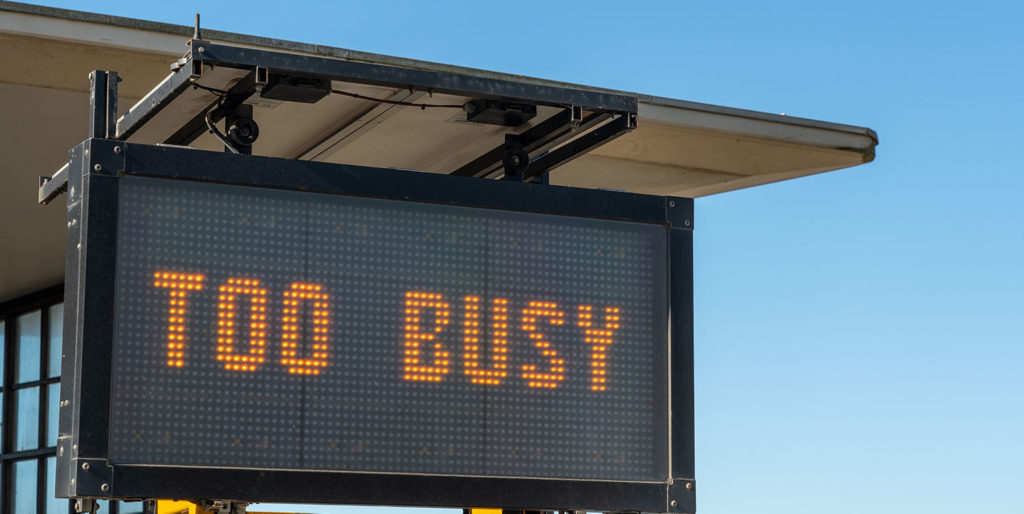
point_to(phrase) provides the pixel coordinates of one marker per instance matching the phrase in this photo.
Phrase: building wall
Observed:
(31, 329)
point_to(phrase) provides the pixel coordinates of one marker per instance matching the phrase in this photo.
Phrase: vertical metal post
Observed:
(103, 103)
(42, 414)
(98, 103)
(111, 108)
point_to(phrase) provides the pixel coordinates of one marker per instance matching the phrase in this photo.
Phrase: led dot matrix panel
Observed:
(260, 328)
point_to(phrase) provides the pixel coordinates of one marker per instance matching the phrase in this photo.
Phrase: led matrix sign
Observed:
(256, 329)
(308, 331)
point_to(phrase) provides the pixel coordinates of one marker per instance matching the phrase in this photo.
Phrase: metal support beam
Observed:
(110, 125)
(50, 187)
(581, 145)
(160, 97)
(537, 139)
(98, 103)
(453, 83)
(103, 103)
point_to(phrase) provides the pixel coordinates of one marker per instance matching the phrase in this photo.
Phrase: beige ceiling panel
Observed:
(31, 235)
(433, 140)
(62, 65)
(692, 152)
(639, 177)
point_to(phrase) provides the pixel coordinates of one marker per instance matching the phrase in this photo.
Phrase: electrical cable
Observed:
(219, 92)
(216, 133)
(396, 102)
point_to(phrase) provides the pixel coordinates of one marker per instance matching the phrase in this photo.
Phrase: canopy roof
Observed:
(678, 148)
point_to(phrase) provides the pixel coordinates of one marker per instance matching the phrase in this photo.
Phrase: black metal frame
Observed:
(83, 467)
(206, 53)
(567, 124)
(9, 311)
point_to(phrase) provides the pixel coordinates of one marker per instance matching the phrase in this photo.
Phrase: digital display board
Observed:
(274, 329)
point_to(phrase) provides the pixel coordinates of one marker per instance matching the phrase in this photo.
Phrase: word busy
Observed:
(424, 356)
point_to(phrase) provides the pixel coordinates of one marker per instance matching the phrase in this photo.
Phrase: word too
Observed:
(180, 284)
(424, 356)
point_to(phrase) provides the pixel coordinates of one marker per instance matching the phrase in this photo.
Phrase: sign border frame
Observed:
(83, 467)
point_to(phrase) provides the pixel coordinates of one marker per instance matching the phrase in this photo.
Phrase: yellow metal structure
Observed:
(484, 511)
(182, 507)
(178, 507)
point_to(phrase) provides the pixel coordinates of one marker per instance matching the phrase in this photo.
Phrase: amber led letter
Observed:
(414, 338)
(290, 328)
(227, 311)
(555, 373)
(180, 284)
(472, 340)
(599, 339)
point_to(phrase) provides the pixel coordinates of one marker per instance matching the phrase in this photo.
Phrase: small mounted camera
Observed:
(243, 131)
(516, 160)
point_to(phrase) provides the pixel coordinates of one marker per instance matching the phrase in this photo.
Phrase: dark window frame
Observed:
(10, 310)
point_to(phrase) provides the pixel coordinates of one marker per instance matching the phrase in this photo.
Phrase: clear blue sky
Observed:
(859, 334)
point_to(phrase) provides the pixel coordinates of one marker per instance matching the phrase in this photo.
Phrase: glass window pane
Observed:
(25, 482)
(54, 505)
(26, 413)
(56, 329)
(26, 343)
(129, 507)
(52, 413)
